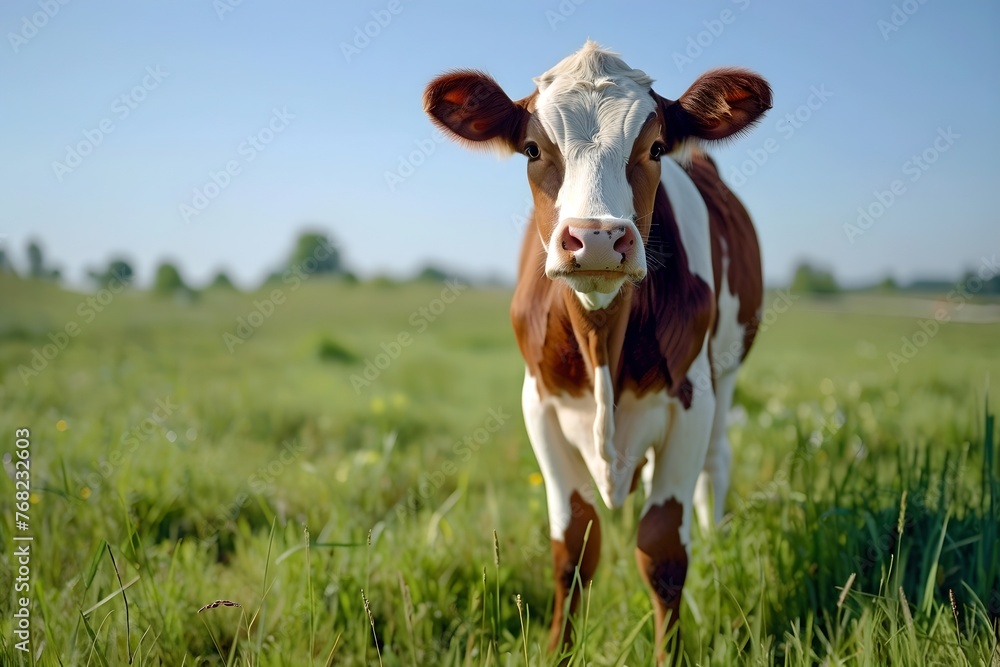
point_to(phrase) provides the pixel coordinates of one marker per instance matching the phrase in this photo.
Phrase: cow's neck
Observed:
(600, 333)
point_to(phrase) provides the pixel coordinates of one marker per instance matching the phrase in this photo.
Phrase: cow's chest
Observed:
(640, 423)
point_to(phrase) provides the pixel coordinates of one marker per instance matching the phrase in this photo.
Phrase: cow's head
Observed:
(594, 133)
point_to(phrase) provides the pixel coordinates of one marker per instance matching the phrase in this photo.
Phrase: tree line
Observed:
(317, 254)
(314, 253)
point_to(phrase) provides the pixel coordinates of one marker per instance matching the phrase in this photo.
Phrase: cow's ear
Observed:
(721, 103)
(471, 107)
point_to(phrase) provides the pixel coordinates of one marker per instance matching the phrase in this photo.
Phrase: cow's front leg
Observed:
(662, 546)
(570, 498)
(577, 552)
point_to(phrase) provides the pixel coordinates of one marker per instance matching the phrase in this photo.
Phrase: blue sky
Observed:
(201, 78)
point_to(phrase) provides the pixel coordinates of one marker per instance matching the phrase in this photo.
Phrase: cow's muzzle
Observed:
(609, 248)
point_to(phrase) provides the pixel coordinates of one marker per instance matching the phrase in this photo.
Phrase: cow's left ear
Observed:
(721, 103)
(471, 107)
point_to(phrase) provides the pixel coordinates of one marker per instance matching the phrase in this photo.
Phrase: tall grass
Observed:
(862, 526)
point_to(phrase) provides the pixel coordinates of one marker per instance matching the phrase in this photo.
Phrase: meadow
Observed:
(350, 467)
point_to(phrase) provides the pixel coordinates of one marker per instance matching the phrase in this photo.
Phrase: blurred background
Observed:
(253, 309)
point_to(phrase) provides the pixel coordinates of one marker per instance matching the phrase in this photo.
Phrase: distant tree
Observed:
(36, 263)
(274, 278)
(315, 253)
(383, 280)
(987, 285)
(222, 281)
(168, 281)
(431, 273)
(992, 286)
(36, 260)
(931, 286)
(811, 280)
(6, 267)
(117, 269)
(887, 284)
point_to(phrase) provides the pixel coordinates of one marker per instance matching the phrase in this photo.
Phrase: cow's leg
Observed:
(570, 498)
(713, 482)
(662, 546)
(576, 553)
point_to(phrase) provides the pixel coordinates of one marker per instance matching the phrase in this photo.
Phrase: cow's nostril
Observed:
(570, 242)
(625, 242)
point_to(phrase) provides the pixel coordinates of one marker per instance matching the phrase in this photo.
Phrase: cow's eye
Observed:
(657, 151)
(531, 150)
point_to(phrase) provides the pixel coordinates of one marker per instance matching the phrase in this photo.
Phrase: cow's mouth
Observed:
(627, 273)
(592, 280)
(596, 272)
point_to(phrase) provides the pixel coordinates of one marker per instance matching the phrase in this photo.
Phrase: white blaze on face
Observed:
(594, 128)
(593, 106)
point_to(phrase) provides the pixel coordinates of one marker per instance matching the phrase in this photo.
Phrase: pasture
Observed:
(368, 437)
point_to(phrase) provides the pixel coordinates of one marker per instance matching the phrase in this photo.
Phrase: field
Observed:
(390, 512)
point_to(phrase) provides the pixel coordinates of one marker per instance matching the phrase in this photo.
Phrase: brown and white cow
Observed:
(637, 298)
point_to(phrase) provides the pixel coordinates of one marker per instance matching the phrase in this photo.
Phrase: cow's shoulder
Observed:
(673, 308)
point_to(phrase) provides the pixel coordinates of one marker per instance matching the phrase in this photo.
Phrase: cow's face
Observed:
(594, 133)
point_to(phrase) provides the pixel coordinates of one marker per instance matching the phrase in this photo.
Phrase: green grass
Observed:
(265, 476)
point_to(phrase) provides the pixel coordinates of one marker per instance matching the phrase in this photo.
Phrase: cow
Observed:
(638, 294)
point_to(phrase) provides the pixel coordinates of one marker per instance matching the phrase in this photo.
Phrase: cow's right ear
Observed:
(473, 109)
